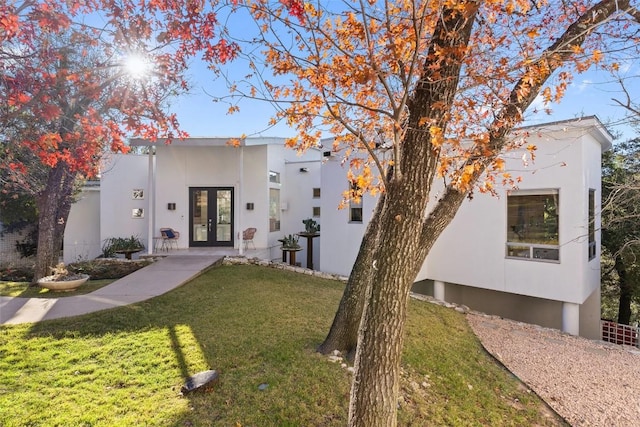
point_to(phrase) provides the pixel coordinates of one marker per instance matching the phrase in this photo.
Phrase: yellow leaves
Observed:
(498, 164)
(437, 137)
(597, 56)
(291, 142)
(547, 95)
(532, 33)
(532, 149)
(577, 49)
(466, 178)
(236, 142)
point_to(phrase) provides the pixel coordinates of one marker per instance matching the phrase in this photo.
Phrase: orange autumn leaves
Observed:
(351, 70)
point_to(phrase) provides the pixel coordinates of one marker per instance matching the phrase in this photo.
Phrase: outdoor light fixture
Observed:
(249, 206)
(171, 206)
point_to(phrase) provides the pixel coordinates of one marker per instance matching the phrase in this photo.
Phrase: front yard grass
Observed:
(256, 326)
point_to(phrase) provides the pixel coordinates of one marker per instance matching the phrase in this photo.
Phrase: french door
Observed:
(210, 216)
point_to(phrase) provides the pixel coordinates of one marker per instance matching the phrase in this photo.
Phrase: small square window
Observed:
(316, 193)
(316, 211)
(274, 177)
(355, 214)
(355, 202)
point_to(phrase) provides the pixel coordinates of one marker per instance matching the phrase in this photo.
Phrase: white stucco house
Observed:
(205, 189)
(531, 254)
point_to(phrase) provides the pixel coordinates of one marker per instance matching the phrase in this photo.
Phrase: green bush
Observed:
(114, 244)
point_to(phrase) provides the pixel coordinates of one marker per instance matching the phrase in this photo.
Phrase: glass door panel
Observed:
(211, 216)
(223, 226)
(200, 215)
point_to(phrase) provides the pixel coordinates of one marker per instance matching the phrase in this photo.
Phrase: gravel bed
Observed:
(589, 383)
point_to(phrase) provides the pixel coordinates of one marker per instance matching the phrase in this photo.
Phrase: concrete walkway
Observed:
(153, 280)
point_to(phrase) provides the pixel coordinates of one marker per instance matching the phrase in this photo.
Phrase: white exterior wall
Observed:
(299, 186)
(122, 174)
(476, 237)
(340, 238)
(82, 233)
(210, 163)
(178, 168)
(471, 251)
(255, 190)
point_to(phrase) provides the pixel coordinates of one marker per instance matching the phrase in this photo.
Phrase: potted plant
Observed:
(62, 280)
(311, 226)
(290, 242)
(122, 245)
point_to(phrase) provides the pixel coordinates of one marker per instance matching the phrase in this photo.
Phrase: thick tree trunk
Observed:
(54, 204)
(404, 244)
(343, 335)
(624, 303)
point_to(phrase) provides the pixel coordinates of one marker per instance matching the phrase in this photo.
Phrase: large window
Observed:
(592, 224)
(274, 209)
(532, 225)
(355, 203)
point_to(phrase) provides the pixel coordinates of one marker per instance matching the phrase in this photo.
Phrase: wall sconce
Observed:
(171, 206)
(249, 206)
(304, 170)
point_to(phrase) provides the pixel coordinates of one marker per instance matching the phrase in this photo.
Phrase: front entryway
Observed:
(210, 216)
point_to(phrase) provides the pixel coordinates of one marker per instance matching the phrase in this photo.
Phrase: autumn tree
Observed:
(70, 94)
(621, 225)
(438, 87)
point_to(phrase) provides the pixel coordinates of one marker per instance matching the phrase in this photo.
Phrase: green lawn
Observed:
(255, 325)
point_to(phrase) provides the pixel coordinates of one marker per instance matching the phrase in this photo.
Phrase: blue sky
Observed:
(590, 93)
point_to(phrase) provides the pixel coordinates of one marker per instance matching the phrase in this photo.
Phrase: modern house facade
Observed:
(530, 254)
(205, 189)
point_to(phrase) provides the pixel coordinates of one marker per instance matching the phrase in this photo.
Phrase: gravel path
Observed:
(589, 383)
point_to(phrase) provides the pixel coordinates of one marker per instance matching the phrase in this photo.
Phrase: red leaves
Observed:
(222, 52)
(295, 8)
(9, 24)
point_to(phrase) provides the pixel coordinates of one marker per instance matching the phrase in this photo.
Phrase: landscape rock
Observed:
(199, 380)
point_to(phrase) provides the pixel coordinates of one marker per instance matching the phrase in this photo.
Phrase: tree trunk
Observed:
(375, 387)
(54, 204)
(624, 303)
(404, 233)
(343, 335)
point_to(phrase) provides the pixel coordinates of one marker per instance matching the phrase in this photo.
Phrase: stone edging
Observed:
(230, 260)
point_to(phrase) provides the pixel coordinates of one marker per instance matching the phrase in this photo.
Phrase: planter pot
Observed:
(54, 284)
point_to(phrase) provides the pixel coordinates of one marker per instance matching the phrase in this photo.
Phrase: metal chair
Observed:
(169, 238)
(247, 237)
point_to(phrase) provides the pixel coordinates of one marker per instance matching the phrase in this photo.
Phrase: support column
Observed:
(571, 318)
(151, 197)
(438, 290)
(240, 208)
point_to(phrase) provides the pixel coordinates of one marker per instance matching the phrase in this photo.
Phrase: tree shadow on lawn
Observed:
(255, 326)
